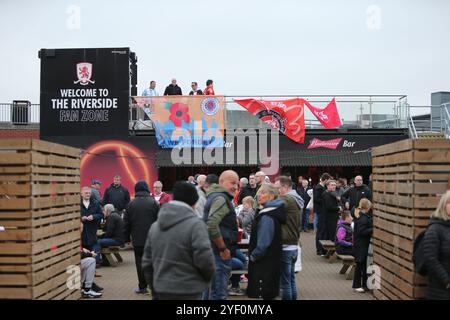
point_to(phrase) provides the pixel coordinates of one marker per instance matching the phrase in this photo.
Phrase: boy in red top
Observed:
(209, 91)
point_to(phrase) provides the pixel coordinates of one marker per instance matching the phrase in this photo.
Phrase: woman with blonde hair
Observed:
(363, 229)
(436, 250)
(265, 247)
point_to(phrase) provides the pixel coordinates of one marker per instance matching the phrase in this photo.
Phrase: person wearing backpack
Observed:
(361, 237)
(436, 251)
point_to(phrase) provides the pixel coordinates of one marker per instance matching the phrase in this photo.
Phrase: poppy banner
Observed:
(186, 121)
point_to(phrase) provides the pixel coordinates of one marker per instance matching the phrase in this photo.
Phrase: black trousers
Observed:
(321, 234)
(138, 253)
(360, 278)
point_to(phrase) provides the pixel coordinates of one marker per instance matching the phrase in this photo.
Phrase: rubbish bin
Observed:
(20, 110)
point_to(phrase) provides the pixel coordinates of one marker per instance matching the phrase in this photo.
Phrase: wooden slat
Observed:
(38, 189)
(392, 169)
(15, 189)
(387, 237)
(55, 269)
(395, 147)
(24, 169)
(54, 160)
(49, 201)
(50, 147)
(14, 158)
(15, 235)
(55, 229)
(431, 156)
(14, 178)
(39, 213)
(15, 144)
(394, 159)
(12, 279)
(55, 171)
(15, 203)
(44, 245)
(16, 293)
(431, 144)
(404, 212)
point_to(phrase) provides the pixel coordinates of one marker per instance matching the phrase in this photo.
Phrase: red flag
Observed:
(328, 117)
(285, 115)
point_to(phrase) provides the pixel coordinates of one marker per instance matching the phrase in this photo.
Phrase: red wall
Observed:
(19, 133)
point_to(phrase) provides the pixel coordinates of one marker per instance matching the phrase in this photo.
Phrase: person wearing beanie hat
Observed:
(178, 261)
(140, 214)
(185, 192)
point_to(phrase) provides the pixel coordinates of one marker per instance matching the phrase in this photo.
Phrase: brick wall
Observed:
(19, 133)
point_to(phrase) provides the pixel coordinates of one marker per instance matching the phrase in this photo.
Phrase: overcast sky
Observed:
(247, 47)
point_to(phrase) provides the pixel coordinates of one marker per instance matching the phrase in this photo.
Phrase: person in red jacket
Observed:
(209, 91)
(160, 196)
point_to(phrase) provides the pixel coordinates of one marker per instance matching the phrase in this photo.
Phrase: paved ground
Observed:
(319, 280)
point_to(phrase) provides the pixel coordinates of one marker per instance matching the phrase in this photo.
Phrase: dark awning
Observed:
(298, 158)
(325, 158)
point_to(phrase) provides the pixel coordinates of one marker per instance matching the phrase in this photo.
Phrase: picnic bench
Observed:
(347, 262)
(108, 253)
(330, 248)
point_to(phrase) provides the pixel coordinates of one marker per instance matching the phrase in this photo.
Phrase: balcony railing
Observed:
(19, 113)
(356, 111)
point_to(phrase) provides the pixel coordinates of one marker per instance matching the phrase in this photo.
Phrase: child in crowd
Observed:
(246, 216)
(344, 234)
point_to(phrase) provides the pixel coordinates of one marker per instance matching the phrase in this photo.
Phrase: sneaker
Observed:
(235, 292)
(96, 288)
(360, 290)
(244, 279)
(144, 291)
(90, 294)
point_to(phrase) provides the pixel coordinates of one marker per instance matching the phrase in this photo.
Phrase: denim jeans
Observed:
(238, 262)
(305, 219)
(287, 280)
(106, 242)
(219, 284)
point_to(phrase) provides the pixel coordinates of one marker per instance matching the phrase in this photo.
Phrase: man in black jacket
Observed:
(173, 89)
(352, 196)
(140, 214)
(91, 215)
(248, 191)
(117, 195)
(330, 211)
(303, 192)
(195, 90)
(318, 210)
(113, 231)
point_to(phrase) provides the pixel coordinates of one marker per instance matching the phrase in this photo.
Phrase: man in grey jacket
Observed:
(178, 261)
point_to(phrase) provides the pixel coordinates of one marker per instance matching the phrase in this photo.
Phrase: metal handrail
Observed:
(447, 120)
(412, 128)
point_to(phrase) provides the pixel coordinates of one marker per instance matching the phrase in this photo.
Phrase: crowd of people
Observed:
(174, 90)
(186, 243)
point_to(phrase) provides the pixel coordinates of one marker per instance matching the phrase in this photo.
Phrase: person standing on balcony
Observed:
(195, 90)
(209, 91)
(151, 91)
(173, 89)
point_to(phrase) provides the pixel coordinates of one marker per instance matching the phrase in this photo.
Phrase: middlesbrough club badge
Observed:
(84, 73)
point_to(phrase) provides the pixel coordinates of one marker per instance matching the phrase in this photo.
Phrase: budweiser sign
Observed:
(329, 144)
